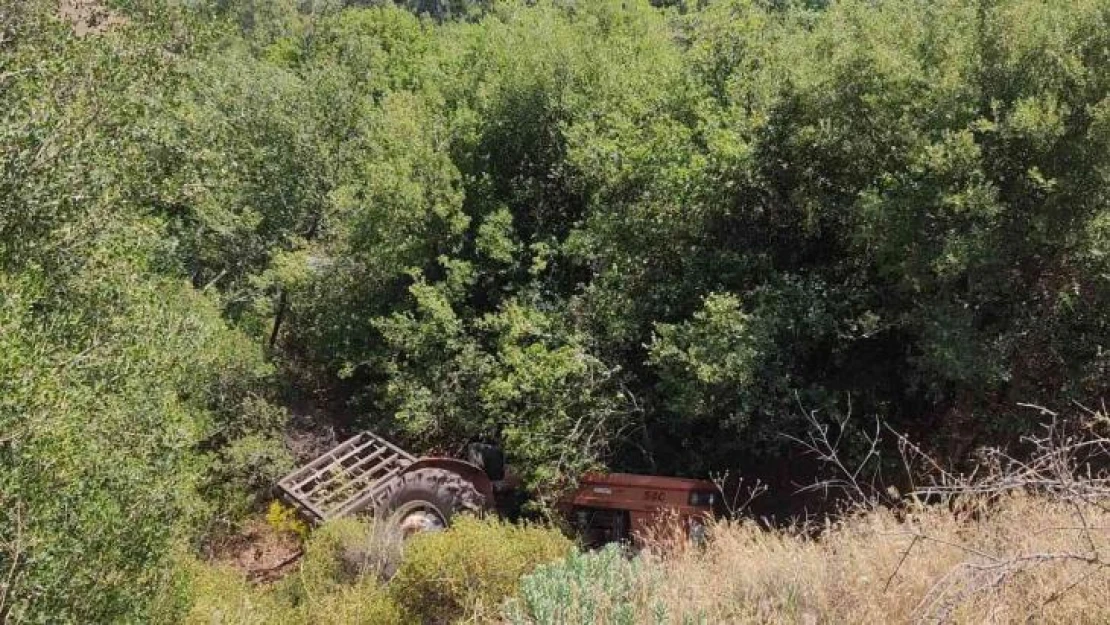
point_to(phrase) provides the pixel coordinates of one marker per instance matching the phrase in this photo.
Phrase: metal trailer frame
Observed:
(351, 477)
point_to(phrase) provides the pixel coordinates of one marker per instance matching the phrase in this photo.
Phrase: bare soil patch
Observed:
(88, 16)
(258, 551)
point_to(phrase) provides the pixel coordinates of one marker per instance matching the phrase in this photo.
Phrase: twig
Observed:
(1058, 594)
(734, 506)
(15, 548)
(827, 450)
(257, 574)
(1058, 468)
(905, 554)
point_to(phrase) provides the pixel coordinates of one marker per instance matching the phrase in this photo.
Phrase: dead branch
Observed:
(901, 561)
(1058, 468)
(1066, 461)
(734, 506)
(15, 549)
(849, 479)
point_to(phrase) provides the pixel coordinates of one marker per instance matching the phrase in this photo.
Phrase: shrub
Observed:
(284, 519)
(599, 587)
(470, 569)
(240, 474)
(223, 595)
(344, 551)
(362, 603)
(331, 586)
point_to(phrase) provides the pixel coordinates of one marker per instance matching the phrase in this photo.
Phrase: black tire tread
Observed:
(447, 491)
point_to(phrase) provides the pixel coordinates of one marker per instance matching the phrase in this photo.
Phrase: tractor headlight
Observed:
(703, 499)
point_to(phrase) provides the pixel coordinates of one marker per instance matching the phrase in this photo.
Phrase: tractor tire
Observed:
(428, 499)
(488, 458)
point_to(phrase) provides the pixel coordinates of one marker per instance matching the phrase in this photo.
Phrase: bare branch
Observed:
(15, 549)
(826, 449)
(734, 506)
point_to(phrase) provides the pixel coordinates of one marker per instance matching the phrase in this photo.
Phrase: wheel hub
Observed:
(419, 519)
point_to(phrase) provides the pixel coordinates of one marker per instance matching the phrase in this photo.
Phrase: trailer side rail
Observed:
(350, 477)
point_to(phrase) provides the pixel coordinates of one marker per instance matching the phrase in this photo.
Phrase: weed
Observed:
(285, 519)
(467, 571)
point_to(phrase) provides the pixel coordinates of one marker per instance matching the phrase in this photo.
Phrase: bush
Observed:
(222, 595)
(599, 587)
(363, 603)
(285, 520)
(334, 584)
(470, 569)
(241, 473)
(344, 551)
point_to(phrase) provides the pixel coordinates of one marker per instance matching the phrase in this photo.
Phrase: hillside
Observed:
(674, 238)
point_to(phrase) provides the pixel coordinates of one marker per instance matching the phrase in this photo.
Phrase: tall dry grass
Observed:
(1028, 560)
(1019, 541)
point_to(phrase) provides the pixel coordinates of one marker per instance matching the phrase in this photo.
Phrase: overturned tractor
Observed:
(366, 474)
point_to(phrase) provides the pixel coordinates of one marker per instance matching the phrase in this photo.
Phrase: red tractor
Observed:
(368, 475)
(621, 507)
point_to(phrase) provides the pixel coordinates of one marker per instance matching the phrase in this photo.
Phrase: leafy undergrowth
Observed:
(327, 585)
(467, 572)
(355, 572)
(1020, 558)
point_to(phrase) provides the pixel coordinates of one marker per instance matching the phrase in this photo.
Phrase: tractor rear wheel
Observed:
(427, 499)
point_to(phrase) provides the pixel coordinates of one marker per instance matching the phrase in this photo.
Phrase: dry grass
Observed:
(1019, 540)
(1029, 561)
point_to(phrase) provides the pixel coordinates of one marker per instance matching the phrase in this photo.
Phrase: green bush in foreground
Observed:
(467, 571)
(222, 595)
(344, 552)
(331, 585)
(598, 587)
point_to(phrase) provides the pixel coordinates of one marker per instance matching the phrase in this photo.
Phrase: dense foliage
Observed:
(124, 395)
(466, 573)
(611, 231)
(596, 232)
(463, 574)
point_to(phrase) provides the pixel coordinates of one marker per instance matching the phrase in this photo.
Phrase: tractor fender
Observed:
(463, 469)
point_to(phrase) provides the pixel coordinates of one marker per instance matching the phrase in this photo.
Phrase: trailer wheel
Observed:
(427, 499)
